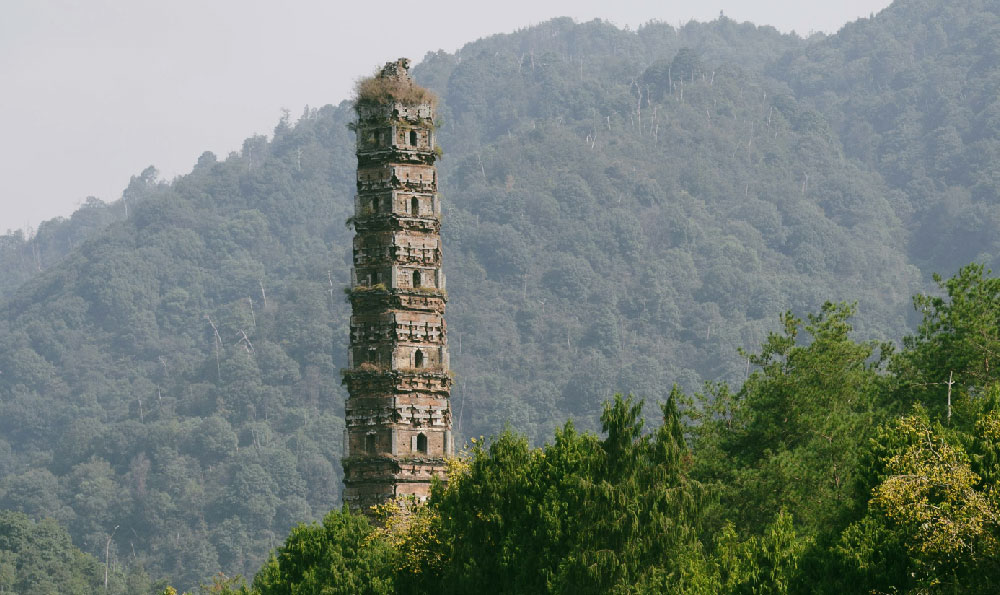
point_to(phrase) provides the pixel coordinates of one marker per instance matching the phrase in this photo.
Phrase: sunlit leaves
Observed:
(931, 490)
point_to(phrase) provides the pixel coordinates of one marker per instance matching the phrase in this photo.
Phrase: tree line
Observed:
(838, 466)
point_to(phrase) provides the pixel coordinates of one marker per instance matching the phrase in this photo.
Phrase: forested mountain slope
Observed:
(176, 375)
(623, 210)
(635, 217)
(39, 557)
(915, 95)
(26, 253)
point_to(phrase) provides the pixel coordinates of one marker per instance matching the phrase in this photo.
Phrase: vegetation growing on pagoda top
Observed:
(391, 84)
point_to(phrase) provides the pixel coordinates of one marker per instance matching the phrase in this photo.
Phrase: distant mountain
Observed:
(915, 96)
(623, 210)
(25, 253)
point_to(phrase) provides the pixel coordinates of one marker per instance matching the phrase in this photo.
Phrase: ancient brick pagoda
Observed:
(398, 415)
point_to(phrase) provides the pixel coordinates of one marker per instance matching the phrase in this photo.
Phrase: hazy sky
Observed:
(92, 92)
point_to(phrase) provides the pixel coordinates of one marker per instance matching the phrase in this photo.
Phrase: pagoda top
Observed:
(398, 70)
(392, 84)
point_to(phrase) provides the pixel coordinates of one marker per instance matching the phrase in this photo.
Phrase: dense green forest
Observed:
(38, 558)
(838, 467)
(624, 211)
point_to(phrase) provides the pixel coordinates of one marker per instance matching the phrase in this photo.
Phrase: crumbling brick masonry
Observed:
(398, 414)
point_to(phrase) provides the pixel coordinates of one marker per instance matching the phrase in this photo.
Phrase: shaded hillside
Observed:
(176, 375)
(25, 255)
(915, 95)
(623, 210)
(38, 557)
(635, 224)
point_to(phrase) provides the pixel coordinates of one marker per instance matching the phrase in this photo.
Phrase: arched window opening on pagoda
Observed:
(375, 204)
(413, 138)
(416, 278)
(418, 359)
(414, 206)
(370, 443)
(421, 443)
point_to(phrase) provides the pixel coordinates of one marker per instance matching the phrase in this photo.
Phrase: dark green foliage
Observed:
(765, 563)
(791, 438)
(958, 341)
(583, 514)
(38, 558)
(637, 520)
(341, 556)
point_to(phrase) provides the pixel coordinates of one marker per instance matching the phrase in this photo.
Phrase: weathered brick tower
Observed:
(398, 416)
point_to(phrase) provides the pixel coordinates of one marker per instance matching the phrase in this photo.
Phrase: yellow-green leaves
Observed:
(932, 492)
